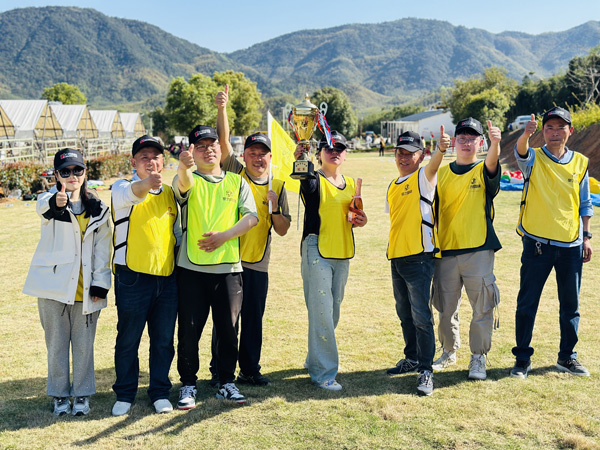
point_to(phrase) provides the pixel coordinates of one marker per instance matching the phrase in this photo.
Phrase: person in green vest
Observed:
(147, 230)
(465, 212)
(554, 224)
(217, 207)
(256, 244)
(411, 250)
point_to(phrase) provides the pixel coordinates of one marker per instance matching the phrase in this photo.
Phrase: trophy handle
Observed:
(323, 108)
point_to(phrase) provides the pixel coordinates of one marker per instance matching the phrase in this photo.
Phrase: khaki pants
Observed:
(474, 271)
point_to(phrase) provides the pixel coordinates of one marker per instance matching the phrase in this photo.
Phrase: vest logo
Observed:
(474, 184)
(571, 180)
(170, 212)
(407, 190)
(229, 197)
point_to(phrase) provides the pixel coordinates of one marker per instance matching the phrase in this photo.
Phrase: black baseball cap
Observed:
(258, 138)
(410, 141)
(557, 112)
(469, 124)
(68, 157)
(336, 138)
(146, 141)
(202, 132)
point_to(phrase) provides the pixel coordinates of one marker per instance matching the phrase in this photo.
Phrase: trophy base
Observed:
(303, 170)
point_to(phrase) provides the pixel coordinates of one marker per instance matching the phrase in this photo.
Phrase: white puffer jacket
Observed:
(54, 270)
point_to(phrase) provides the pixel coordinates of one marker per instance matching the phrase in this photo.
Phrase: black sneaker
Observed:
(214, 380)
(425, 383)
(257, 379)
(229, 391)
(403, 366)
(573, 367)
(521, 369)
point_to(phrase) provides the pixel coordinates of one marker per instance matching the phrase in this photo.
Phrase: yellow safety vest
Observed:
(150, 239)
(253, 244)
(461, 208)
(550, 202)
(83, 224)
(213, 207)
(336, 239)
(406, 221)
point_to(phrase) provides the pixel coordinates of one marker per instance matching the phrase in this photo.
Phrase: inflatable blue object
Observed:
(595, 199)
(507, 186)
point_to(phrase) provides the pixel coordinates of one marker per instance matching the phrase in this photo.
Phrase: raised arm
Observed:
(436, 159)
(223, 124)
(491, 160)
(185, 179)
(523, 141)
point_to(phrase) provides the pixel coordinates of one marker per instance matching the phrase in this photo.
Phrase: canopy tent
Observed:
(32, 119)
(75, 121)
(7, 129)
(108, 123)
(133, 125)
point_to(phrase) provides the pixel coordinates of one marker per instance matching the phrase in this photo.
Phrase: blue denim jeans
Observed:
(324, 282)
(535, 269)
(141, 299)
(411, 279)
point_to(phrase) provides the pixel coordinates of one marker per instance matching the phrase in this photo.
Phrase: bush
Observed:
(585, 115)
(108, 166)
(21, 175)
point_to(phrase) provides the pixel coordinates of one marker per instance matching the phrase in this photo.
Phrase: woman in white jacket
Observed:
(70, 275)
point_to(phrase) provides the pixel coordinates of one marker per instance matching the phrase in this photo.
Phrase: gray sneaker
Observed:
(477, 368)
(403, 366)
(573, 367)
(81, 406)
(187, 397)
(229, 391)
(425, 383)
(521, 369)
(62, 406)
(445, 360)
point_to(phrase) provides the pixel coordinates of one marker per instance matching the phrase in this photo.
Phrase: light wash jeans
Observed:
(324, 283)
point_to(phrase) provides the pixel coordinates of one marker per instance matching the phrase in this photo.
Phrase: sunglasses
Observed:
(66, 173)
(334, 149)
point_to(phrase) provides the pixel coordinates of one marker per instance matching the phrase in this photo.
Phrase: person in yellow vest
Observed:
(327, 247)
(256, 244)
(217, 207)
(70, 275)
(554, 224)
(411, 250)
(465, 212)
(147, 230)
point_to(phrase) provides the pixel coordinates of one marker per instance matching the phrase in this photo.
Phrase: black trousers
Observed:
(256, 286)
(198, 293)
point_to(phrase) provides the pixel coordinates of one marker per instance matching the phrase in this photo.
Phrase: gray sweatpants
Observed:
(474, 271)
(65, 329)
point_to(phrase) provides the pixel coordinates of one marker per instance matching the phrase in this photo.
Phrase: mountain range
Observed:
(116, 60)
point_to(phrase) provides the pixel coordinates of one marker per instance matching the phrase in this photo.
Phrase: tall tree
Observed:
(583, 76)
(340, 115)
(245, 102)
(191, 103)
(65, 93)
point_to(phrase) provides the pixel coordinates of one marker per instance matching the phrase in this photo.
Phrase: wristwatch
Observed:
(587, 234)
(276, 212)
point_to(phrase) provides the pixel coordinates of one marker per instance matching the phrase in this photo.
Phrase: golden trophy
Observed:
(304, 119)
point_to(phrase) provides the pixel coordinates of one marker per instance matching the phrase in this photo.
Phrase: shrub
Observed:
(21, 175)
(585, 115)
(108, 166)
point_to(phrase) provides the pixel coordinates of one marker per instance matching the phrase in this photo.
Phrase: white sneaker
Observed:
(162, 406)
(477, 368)
(121, 408)
(447, 359)
(330, 385)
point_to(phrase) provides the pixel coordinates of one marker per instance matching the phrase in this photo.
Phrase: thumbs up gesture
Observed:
(531, 126)
(61, 196)
(494, 133)
(222, 97)
(186, 158)
(444, 141)
(154, 176)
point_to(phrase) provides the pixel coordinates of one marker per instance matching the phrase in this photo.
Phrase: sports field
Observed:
(548, 410)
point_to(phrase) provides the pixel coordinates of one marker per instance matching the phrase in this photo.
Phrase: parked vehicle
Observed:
(519, 123)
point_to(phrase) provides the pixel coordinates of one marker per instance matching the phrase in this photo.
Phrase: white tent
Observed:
(75, 121)
(108, 123)
(7, 129)
(32, 119)
(133, 125)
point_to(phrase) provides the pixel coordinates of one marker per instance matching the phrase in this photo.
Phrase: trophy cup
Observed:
(304, 119)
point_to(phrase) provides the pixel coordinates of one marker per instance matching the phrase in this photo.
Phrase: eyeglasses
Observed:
(203, 148)
(463, 140)
(66, 173)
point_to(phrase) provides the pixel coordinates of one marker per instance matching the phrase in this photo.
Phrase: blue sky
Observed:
(227, 26)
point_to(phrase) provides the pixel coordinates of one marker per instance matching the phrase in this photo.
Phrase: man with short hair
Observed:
(554, 223)
(465, 193)
(146, 232)
(256, 244)
(217, 207)
(411, 251)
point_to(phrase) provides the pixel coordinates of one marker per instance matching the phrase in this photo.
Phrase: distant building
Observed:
(426, 123)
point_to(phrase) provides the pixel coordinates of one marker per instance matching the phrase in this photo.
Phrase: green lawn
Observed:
(548, 410)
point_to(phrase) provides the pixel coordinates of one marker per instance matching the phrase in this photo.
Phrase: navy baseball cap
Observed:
(202, 132)
(469, 124)
(557, 112)
(258, 138)
(68, 157)
(146, 141)
(337, 138)
(410, 141)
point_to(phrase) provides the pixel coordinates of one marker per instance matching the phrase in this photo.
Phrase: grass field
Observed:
(548, 410)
